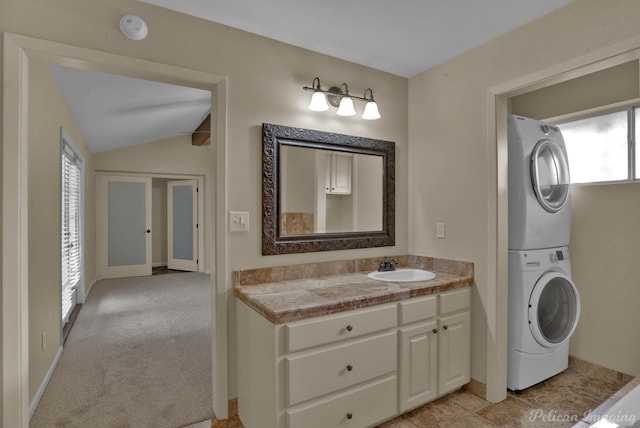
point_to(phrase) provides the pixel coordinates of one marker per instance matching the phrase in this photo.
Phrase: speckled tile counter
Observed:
(293, 300)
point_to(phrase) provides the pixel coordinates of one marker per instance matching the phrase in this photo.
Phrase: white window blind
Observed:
(71, 227)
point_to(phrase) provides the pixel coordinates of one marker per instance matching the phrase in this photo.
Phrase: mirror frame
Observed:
(273, 241)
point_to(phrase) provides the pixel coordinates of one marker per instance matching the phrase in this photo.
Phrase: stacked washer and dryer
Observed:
(544, 305)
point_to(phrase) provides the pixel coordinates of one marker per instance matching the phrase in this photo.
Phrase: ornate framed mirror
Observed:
(323, 191)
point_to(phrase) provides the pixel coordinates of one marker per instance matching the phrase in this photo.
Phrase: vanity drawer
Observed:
(324, 330)
(418, 309)
(453, 301)
(314, 374)
(365, 405)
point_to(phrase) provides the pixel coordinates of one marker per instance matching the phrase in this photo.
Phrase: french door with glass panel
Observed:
(182, 225)
(71, 227)
(123, 226)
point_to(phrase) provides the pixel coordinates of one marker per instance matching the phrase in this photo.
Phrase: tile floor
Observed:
(561, 401)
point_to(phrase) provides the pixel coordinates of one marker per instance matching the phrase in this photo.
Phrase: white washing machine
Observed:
(539, 197)
(544, 308)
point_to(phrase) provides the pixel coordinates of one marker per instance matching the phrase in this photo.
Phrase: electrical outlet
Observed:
(440, 230)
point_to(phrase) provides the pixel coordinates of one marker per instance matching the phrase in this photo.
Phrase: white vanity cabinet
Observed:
(330, 371)
(435, 346)
(352, 369)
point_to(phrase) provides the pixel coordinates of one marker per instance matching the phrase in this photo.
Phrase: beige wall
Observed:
(613, 85)
(49, 110)
(265, 80)
(604, 262)
(448, 133)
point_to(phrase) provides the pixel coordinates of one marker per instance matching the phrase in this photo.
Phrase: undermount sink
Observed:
(403, 275)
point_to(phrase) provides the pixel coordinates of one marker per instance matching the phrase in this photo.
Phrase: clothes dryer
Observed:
(539, 196)
(544, 309)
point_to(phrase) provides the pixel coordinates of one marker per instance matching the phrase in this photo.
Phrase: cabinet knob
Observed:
(349, 327)
(435, 330)
(349, 415)
(445, 327)
(349, 367)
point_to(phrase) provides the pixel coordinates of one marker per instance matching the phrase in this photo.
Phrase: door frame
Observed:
(497, 109)
(18, 50)
(204, 192)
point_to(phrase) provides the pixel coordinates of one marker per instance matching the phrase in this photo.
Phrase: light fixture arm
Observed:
(338, 92)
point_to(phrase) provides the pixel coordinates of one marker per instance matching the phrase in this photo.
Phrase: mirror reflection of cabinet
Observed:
(338, 173)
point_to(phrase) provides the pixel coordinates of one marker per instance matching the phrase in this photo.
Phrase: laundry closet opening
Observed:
(603, 215)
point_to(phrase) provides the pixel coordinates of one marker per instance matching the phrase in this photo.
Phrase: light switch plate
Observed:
(440, 230)
(238, 221)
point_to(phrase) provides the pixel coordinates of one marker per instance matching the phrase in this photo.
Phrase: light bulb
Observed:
(318, 102)
(371, 111)
(346, 107)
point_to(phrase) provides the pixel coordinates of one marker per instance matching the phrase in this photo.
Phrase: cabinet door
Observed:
(454, 351)
(340, 174)
(418, 365)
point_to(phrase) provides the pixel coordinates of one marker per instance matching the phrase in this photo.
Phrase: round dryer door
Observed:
(554, 309)
(550, 175)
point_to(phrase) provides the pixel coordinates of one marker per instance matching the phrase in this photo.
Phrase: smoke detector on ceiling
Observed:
(133, 27)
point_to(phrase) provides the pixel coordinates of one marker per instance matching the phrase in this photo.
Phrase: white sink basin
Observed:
(403, 275)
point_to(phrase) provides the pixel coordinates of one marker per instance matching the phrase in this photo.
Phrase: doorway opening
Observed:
(19, 52)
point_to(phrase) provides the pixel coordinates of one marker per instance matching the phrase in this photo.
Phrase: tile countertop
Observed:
(281, 302)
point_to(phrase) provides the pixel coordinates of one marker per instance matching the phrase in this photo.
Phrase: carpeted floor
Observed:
(139, 355)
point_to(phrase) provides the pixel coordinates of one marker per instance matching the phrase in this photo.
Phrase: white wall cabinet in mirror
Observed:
(324, 191)
(338, 173)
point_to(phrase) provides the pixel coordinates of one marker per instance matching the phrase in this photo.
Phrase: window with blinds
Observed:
(71, 251)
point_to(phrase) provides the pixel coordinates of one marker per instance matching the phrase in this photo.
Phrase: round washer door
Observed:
(550, 175)
(554, 309)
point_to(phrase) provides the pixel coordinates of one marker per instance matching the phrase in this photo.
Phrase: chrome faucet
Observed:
(387, 265)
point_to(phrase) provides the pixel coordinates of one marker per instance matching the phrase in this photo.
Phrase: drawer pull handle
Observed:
(435, 330)
(445, 327)
(349, 415)
(349, 327)
(349, 367)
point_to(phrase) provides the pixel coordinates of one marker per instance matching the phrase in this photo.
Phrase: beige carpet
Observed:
(139, 355)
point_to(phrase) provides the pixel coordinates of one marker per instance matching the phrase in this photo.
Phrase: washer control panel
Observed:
(559, 255)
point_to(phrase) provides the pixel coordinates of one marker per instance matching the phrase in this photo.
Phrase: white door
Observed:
(124, 226)
(71, 227)
(182, 225)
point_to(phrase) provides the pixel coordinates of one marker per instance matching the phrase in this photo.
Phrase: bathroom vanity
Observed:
(349, 351)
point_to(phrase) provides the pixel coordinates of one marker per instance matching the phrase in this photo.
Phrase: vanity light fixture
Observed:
(341, 98)
(133, 27)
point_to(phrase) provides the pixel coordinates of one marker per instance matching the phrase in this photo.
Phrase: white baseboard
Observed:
(86, 294)
(45, 382)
